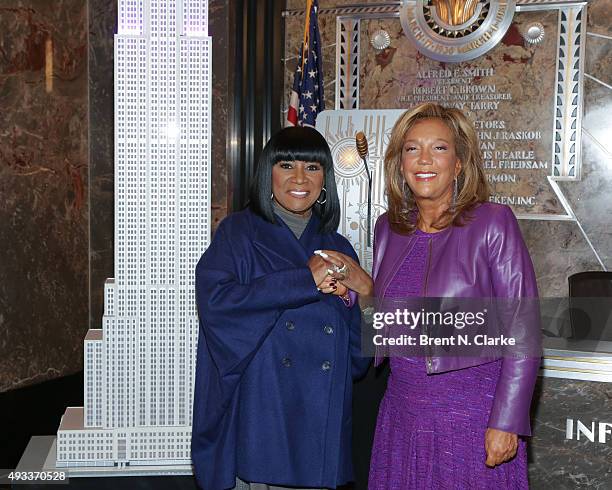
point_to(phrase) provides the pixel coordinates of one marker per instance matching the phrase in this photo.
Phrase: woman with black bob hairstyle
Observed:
(279, 340)
(289, 145)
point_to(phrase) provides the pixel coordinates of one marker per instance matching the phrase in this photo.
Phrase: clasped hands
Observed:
(334, 272)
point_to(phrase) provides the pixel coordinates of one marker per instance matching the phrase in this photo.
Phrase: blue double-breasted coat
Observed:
(275, 360)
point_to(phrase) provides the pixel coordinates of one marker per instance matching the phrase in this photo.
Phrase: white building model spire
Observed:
(140, 367)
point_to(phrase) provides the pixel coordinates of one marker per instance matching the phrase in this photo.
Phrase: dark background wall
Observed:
(44, 189)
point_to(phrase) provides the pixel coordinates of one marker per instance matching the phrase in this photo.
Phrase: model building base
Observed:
(40, 455)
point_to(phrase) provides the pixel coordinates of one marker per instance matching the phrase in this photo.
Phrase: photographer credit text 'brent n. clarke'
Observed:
(425, 320)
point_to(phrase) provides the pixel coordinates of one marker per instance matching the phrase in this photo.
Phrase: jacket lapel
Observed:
(398, 247)
(278, 245)
(311, 239)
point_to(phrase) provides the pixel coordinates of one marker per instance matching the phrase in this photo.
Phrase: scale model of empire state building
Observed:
(139, 368)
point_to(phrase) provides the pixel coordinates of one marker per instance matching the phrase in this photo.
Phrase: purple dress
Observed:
(430, 430)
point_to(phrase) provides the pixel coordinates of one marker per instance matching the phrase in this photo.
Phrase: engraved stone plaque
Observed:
(512, 107)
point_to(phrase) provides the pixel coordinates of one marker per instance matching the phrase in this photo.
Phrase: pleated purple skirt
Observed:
(430, 431)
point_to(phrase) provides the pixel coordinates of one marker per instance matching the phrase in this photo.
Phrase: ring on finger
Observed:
(341, 270)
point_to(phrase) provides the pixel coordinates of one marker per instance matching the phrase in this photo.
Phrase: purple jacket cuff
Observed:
(510, 411)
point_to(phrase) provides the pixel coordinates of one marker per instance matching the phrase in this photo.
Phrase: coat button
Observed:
(286, 362)
(429, 364)
(328, 329)
(326, 366)
(290, 325)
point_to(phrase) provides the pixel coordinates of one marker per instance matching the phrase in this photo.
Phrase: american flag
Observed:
(307, 94)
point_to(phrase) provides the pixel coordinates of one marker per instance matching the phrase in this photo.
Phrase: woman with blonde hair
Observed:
(449, 422)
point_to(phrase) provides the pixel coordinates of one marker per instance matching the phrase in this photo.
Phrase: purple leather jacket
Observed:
(485, 258)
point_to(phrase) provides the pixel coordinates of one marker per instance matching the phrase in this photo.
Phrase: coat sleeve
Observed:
(514, 285)
(381, 231)
(359, 363)
(236, 316)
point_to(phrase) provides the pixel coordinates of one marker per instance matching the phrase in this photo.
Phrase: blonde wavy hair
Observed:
(472, 186)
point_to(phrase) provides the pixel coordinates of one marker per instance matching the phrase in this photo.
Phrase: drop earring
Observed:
(323, 189)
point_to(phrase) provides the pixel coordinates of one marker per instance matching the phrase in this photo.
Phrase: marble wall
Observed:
(559, 462)
(591, 200)
(588, 244)
(221, 27)
(559, 248)
(44, 185)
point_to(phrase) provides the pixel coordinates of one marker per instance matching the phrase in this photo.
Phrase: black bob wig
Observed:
(291, 144)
